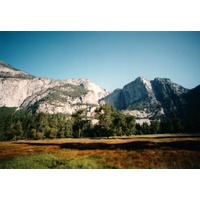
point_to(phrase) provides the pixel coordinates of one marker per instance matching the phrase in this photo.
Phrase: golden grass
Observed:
(136, 152)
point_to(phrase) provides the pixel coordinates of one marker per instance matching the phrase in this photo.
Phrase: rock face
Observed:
(19, 89)
(142, 98)
(147, 99)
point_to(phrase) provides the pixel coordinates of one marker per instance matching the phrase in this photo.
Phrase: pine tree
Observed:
(69, 128)
(18, 129)
(54, 126)
(9, 129)
(119, 123)
(130, 124)
(105, 117)
(154, 127)
(78, 119)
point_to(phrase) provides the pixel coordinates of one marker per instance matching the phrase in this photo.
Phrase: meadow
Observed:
(159, 151)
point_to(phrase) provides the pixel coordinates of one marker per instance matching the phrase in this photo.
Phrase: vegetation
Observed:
(113, 123)
(51, 161)
(21, 76)
(131, 152)
(8, 66)
(23, 125)
(59, 93)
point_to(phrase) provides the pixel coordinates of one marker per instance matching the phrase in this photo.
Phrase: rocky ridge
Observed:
(145, 99)
(21, 90)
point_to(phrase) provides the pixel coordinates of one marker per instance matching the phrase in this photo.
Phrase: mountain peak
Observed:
(155, 98)
(141, 78)
(162, 79)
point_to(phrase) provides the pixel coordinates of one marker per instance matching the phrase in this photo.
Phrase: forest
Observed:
(21, 124)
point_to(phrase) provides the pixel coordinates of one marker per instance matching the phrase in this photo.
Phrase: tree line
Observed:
(109, 122)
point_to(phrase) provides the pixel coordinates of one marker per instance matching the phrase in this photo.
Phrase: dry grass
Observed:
(143, 152)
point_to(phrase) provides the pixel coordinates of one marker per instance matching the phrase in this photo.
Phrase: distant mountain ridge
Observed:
(148, 99)
(145, 99)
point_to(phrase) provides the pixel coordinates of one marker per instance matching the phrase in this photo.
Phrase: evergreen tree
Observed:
(9, 129)
(69, 128)
(119, 125)
(172, 124)
(138, 129)
(78, 119)
(105, 116)
(53, 126)
(130, 125)
(41, 122)
(18, 129)
(154, 127)
(178, 128)
(145, 128)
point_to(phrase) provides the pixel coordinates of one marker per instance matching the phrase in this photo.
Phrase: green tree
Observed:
(145, 128)
(9, 129)
(154, 127)
(178, 128)
(172, 124)
(2, 127)
(18, 129)
(79, 120)
(53, 132)
(113, 122)
(69, 128)
(105, 116)
(33, 133)
(119, 123)
(53, 126)
(130, 124)
(41, 122)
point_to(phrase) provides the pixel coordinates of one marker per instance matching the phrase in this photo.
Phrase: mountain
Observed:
(145, 99)
(148, 99)
(21, 90)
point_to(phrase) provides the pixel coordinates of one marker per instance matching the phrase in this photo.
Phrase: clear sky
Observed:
(109, 59)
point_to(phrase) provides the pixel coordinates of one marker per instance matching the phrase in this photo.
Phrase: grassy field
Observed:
(169, 151)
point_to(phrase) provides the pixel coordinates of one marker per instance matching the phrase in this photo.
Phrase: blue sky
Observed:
(109, 59)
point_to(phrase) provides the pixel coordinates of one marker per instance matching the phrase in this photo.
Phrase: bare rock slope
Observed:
(148, 99)
(19, 89)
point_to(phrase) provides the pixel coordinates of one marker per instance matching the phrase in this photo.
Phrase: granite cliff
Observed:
(145, 99)
(21, 90)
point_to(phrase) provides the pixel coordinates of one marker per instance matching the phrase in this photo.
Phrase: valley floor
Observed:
(177, 151)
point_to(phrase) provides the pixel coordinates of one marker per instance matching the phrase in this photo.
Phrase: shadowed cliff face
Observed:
(157, 97)
(137, 91)
(116, 99)
(169, 94)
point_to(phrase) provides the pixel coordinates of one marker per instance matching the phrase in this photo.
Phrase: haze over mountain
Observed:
(146, 100)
